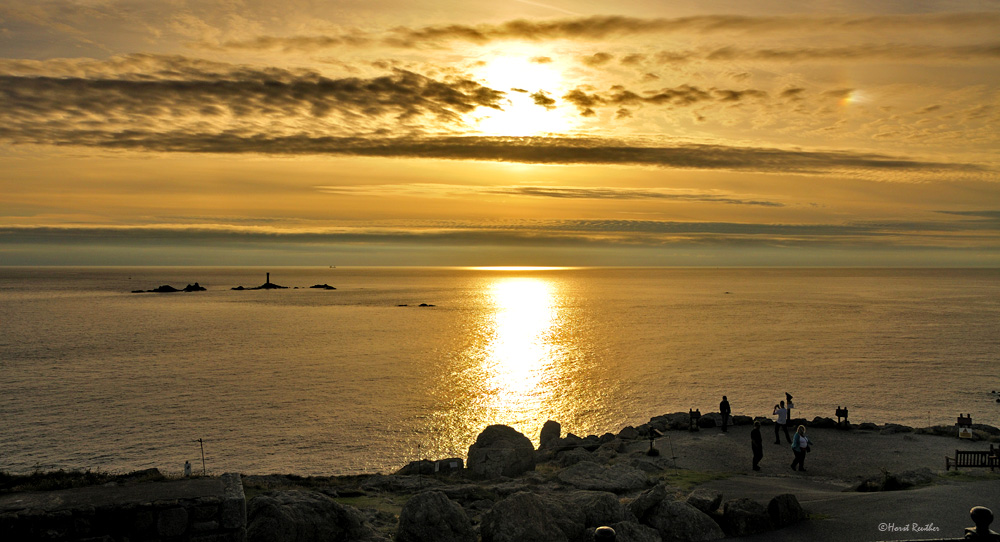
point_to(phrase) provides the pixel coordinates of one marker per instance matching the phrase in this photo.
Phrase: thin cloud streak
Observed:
(529, 150)
(612, 233)
(430, 190)
(607, 27)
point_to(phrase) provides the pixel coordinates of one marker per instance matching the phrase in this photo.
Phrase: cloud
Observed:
(533, 150)
(528, 233)
(236, 96)
(614, 27)
(597, 59)
(432, 190)
(683, 95)
(988, 215)
(540, 98)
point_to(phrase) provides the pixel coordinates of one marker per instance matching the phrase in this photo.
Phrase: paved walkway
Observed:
(838, 515)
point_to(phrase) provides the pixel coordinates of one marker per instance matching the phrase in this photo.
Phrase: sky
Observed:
(550, 133)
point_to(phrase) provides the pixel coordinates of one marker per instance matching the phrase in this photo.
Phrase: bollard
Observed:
(605, 534)
(982, 517)
(653, 435)
(841, 413)
(695, 415)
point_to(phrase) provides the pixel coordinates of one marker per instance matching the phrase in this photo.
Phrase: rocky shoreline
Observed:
(570, 486)
(506, 490)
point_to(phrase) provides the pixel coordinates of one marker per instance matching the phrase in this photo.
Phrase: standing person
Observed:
(781, 423)
(725, 410)
(756, 445)
(800, 445)
(789, 405)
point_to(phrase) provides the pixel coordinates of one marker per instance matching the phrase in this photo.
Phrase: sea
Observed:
(398, 364)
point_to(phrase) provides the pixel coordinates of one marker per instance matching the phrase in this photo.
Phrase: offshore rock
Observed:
(301, 516)
(500, 451)
(522, 517)
(432, 517)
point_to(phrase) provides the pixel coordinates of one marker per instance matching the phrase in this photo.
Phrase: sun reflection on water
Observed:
(518, 352)
(513, 365)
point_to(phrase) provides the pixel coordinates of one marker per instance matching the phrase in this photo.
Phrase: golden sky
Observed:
(375, 132)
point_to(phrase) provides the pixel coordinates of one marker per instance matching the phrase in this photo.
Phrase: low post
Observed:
(653, 434)
(695, 416)
(964, 424)
(841, 413)
(982, 517)
(605, 534)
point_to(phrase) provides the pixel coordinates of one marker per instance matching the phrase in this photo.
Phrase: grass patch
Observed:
(969, 476)
(689, 479)
(818, 516)
(63, 479)
(390, 504)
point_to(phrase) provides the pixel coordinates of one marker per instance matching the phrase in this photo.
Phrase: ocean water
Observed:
(319, 382)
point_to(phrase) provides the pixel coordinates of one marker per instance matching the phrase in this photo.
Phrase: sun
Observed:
(532, 104)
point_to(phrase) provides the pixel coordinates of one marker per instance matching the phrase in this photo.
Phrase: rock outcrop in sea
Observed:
(166, 289)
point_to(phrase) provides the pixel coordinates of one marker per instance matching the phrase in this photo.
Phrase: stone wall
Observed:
(189, 510)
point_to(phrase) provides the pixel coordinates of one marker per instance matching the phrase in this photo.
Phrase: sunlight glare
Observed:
(520, 78)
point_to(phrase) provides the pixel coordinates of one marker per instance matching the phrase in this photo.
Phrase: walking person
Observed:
(781, 424)
(800, 445)
(725, 410)
(756, 445)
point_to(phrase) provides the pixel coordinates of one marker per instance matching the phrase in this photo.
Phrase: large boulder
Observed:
(577, 513)
(432, 517)
(421, 466)
(705, 500)
(615, 478)
(823, 423)
(785, 510)
(551, 431)
(678, 521)
(628, 433)
(646, 501)
(707, 421)
(574, 456)
(741, 420)
(629, 531)
(745, 517)
(303, 516)
(522, 517)
(592, 508)
(500, 451)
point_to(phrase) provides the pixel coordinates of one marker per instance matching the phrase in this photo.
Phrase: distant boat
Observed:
(333, 267)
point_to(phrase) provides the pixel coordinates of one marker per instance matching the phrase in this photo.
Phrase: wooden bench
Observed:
(968, 459)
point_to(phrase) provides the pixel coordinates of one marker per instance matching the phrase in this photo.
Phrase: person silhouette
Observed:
(800, 445)
(781, 424)
(756, 445)
(725, 410)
